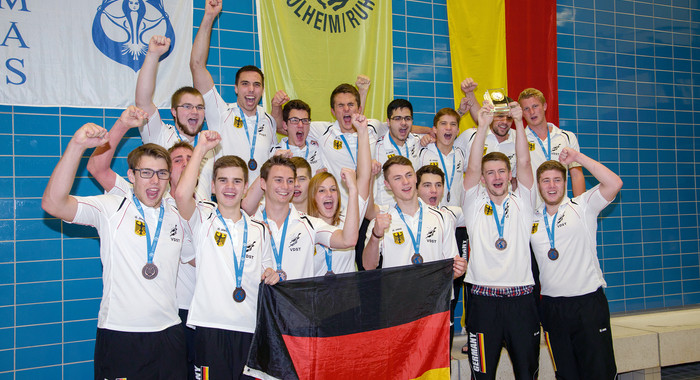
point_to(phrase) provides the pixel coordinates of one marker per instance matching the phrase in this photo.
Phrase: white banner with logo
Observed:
(87, 53)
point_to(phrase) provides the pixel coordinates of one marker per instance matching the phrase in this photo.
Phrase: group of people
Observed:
(206, 215)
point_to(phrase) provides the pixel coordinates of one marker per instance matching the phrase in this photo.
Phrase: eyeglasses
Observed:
(190, 107)
(148, 173)
(404, 118)
(296, 120)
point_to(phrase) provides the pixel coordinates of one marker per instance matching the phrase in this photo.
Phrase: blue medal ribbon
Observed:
(237, 268)
(329, 258)
(306, 155)
(448, 180)
(280, 252)
(151, 245)
(397, 147)
(414, 239)
(347, 146)
(548, 152)
(501, 222)
(247, 134)
(550, 232)
(196, 137)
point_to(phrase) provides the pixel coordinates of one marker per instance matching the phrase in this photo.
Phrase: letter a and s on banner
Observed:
(309, 47)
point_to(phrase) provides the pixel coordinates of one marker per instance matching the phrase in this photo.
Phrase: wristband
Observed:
(378, 237)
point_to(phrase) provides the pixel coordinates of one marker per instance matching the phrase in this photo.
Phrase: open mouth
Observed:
(328, 204)
(432, 201)
(297, 193)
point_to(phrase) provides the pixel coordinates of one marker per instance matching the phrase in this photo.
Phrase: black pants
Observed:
(221, 353)
(189, 343)
(577, 331)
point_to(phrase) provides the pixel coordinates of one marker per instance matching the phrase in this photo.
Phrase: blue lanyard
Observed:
(306, 155)
(448, 180)
(329, 258)
(548, 152)
(278, 253)
(151, 247)
(416, 242)
(405, 143)
(499, 223)
(342, 137)
(239, 269)
(196, 137)
(550, 232)
(247, 134)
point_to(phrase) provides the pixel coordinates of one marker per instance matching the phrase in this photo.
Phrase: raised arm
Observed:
(578, 181)
(370, 255)
(276, 104)
(146, 82)
(610, 183)
(469, 103)
(522, 153)
(364, 156)
(362, 83)
(347, 237)
(99, 163)
(201, 78)
(184, 192)
(472, 175)
(57, 200)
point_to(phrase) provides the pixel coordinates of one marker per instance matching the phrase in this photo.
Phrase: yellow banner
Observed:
(308, 47)
(478, 46)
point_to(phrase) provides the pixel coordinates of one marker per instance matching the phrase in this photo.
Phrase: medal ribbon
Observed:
(151, 246)
(329, 257)
(550, 232)
(448, 180)
(397, 147)
(196, 137)
(548, 152)
(238, 269)
(347, 146)
(306, 155)
(499, 223)
(278, 253)
(255, 133)
(416, 242)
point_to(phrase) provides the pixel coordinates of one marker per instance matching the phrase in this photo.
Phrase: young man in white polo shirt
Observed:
(138, 332)
(501, 306)
(296, 119)
(574, 309)
(233, 255)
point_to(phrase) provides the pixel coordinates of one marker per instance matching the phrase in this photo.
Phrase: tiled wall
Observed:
(626, 77)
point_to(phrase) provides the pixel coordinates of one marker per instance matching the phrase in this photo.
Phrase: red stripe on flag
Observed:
(403, 352)
(531, 50)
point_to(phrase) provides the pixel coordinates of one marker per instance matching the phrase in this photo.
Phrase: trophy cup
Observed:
(497, 97)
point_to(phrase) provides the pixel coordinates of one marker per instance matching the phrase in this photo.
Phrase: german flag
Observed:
(381, 324)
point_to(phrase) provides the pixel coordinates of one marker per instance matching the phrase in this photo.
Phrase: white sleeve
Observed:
(215, 108)
(449, 242)
(317, 128)
(573, 144)
(153, 131)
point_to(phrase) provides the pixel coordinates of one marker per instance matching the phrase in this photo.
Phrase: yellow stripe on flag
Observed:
(477, 46)
(435, 374)
(308, 47)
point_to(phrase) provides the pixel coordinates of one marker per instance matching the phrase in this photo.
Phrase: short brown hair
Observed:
(231, 162)
(301, 163)
(312, 207)
(443, 112)
(180, 144)
(429, 169)
(295, 104)
(345, 88)
(175, 98)
(532, 92)
(274, 161)
(395, 160)
(252, 68)
(150, 150)
(551, 165)
(495, 156)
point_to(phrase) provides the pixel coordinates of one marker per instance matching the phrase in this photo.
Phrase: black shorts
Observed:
(140, 355)
(221, 354)
(577, 332)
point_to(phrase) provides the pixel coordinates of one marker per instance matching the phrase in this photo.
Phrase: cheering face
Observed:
(229, 186)
(297, 127)
(500, 126)
(400, 124)
(301, 187)
(495, 175)
(344, 106)
(326, 198)
(149, 191)
(401, 179)
(533, 111)
(180, 157)
(552, 186)
(189, 120)
(249, 90)
(279, 186)
(446, 130)
(431, 189)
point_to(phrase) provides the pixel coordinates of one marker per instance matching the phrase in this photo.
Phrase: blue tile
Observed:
(38, 357)
(81, 309)
(38, 292)
(78, 370)
(39, 313)
(83, 268)
(80, 330)
(77, 352)
(37, 124)
(38, 335)
(81, 289)
(418, 9)
(7, 363)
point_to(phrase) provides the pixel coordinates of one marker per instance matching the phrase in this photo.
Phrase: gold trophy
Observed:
(497, 97)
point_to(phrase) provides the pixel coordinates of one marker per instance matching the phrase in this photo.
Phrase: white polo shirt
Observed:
(491, 144)
(430, 156)
(560, 140)
(310, 152)
(576, 271)
(213, 304)
(383, 196)
(487, 265)
(130, 302)
(227, 120)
